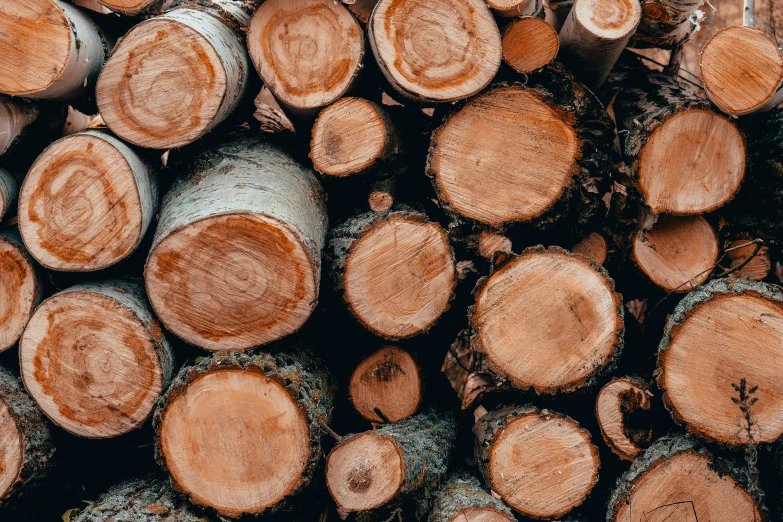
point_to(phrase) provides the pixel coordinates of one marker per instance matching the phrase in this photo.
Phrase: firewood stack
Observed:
(390, 260)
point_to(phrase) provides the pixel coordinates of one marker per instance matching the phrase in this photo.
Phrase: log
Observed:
(719, 360)
(617, 403)
(15, 117)
(86, 203)
(236, 258)
(395, 271)
(547, 320)
(668, 24)
(541, 463)
(529, 44)
(272, 117)
(467, 374)
(738, 251)
(439, 51)
(517, 8)
(136, 7)
(595, 34)
(354, 136)
(461, 498)
(380, 468)
(593, 247)
(676, 479)
(520, 154)
(487, 244)
(388, 380)
(174, 77)
(213, 416)
(147, 498)
(26, 447)
(20, 286)
(678, 253)
(382, 192)
(9, 192)
(49, 50)
(95, 359)
(742, 71)
(305, 73)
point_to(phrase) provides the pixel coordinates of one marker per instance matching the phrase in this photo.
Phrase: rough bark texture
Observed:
(461, 492)
(9, 192)
(667, 24)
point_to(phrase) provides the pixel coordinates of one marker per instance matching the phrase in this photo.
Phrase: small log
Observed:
(388, 380)
(86, 203)
(617, 402)
(15, 117)
(541, 463)
(145, 499)
(678, 253)
(667, 24)
(395, 271)
(354, 136)
(26, 447)
(236, 258)
(380, 468)
(174, 77)
(9, 192)
(547, 320)
(676, 479)
(305, 73)
(487, 244)
(467, 373)
(742, 71)
(20, 286)
(49, 49)
(382, 192)
(461, 498)
(738, 251)
(529, 44)
(213, 416)
(517, 8)
(435, 51)
(595, 34)
(593, 247)
(719, 361)
(95, 359)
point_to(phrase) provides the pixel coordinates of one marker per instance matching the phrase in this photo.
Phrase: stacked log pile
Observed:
(390, 260)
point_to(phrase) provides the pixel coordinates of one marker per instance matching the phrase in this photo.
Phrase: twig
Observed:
(396, 513)
(382, 415)
(329, 431)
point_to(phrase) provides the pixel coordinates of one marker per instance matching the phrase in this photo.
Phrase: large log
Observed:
(174, 77)
(618, 401)
(241, 433)
(15, 117)
(541, 463)
(719, 362)
(49, 49)
(236, 258)
(461, 498)
(86, 203)
(20, 287)
(26, 447)
(95, 359)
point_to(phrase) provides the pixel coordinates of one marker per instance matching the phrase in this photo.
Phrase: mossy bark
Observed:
(667, 24)
(461, 492)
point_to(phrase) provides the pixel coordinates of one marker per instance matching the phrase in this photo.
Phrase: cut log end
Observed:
(302, 71)
(490, 139)
(678, 253)
(758, 268)
(594, 247)
(557, 310)
(490, 244)
(365, 472)
(742, 70)
(380, 200)
(11, 450)
(421, 47)
(389, 381)
(19, 288)
(617, 402)
(693, 163)
(529, 44)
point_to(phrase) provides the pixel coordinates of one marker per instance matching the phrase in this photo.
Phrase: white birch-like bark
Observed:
(9, 192)
(15, 116)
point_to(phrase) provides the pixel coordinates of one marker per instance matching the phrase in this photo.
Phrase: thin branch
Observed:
(329, 431)
(384, 418)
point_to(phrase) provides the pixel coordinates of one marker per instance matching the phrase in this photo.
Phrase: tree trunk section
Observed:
(20, 285)
(15, 117)
(210, 420)
(236, 258)
(529, 44)
(462, 498)
(618, 402)
(667, 24)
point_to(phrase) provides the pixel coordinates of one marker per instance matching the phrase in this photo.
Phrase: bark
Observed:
(15, 117)
(270, 114)
(9, 192)
(462, 493)
(667, 24)
(466, 371)
(22, 285)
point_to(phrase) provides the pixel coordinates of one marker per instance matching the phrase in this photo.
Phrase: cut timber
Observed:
(617, 402)
(95, 359)
(541, 463)
(353, 136)
(759, 266)
(488, 244)
(134, 7)
(675, 479)
(529, 44)
(519, 154)
(86, 203)
(15, 117)
(593, 246)
(596, 32)
(377, 468)
(9, 192)
(236, 258)
(25, 441)
(20, 287)
(435, 51)
(48, 49)
(381, 197)
(742, 71)
(174, 77)
(516, 8)
(466, 372)
(144, 499)
(678, 253)
(240, 433)
(668, 24)
(720, 361)
(463, 499)
(548, 320)
(388, 380)
(308, 52)
(396, 271)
